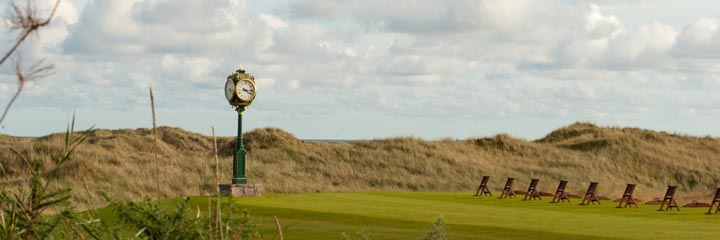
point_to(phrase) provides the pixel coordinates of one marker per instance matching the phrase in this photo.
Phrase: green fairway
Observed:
(408, 216)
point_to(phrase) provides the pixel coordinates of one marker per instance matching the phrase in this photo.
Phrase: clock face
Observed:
(229, 89)
(246, 89)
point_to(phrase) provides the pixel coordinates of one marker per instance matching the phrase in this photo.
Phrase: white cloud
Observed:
(701, 39)
(187, 16)
(412, 16)
(265, 83)
(4, 88)
(69, 11)
(105, 27)
(293, 85)
(191, 69)
(154, 26)
(600, 26)
(648, 46)
(273, 21)
(545, 61)
(403, 44)
(319, 8)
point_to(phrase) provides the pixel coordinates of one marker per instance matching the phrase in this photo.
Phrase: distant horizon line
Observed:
(390, 137)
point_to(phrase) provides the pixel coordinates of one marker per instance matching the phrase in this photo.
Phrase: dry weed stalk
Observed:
(279, 228)
(26, 20)
(217, 185)
(155, 146)
(209, 223)
(217, 162)
(74, 229)
(87, 189)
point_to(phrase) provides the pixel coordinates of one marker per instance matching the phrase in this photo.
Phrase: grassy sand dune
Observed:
(122, 163)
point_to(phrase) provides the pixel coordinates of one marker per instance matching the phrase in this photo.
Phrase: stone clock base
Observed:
(241, 190)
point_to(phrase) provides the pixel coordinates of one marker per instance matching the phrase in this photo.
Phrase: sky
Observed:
(351, 69)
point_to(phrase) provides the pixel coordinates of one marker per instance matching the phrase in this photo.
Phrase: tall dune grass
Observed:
(122, 162)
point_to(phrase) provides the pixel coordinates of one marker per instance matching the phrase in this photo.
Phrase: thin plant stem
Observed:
(12, 100)
(155, 146)
(77, 232)
(279, 228)
(87, 188)
(217, 183)
(217, 162)
(210, 225)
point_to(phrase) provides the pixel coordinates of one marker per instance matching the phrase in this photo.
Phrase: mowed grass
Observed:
(408, 215)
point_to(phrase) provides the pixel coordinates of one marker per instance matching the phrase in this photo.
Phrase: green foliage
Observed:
(240, 228)
(9, 227)
(150, 219)
(22, 211)
(96, 228)
(438, 230)
(153, 222)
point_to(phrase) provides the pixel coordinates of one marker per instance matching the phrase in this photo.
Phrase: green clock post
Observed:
(240, 91)
(239, 176)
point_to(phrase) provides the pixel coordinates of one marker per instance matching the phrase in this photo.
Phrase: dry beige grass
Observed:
(121, 162)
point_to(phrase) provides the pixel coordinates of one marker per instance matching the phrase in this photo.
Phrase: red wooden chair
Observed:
(507, 190)
(627, 197)
(483, 189)
(560, 194)
(715, 203)
(532, 192)
(669, 200)
(590, 196)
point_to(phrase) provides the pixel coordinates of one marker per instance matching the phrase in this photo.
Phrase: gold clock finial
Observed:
(240, 68)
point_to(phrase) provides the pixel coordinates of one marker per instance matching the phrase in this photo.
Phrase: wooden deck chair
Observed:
(483, 189)
(669, 200)
(507, 190)
(715, 203)
(627, 197)
(532, 192)
(560, 194)
(590, 196)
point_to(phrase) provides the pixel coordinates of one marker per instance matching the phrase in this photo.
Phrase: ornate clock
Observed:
(245, 90)
(240, 88)
(230, 90)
